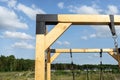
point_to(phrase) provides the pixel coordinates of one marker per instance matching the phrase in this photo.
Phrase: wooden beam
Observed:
(81, 50)
(77, 19)
(55, 33)
(88, 19)
(40, 57)
(54, 56)
(118, 58)
(115, 56)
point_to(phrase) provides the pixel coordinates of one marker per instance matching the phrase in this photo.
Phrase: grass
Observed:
(59, 75)
(17, 75)
(82, 75)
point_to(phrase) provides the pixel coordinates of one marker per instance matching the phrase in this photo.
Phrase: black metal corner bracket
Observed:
(45, 19)
(111, 25)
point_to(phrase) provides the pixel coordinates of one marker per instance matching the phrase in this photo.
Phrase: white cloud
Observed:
(102, 31)
(92, 35)
(30, 11)
(61, 5)
(63, 43)
(84, 9)
(17, 35)
(9, 20)
(66, 43)
(59, 42)
(84, 37)
(23, 45)
(10, 3)
(112, 9)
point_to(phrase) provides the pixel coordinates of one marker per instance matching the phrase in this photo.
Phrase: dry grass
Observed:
(58, 75)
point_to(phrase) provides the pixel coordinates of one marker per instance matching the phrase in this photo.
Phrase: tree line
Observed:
(10, 63)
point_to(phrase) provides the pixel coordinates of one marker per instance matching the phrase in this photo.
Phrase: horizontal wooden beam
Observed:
(82, 50)
(77, 19)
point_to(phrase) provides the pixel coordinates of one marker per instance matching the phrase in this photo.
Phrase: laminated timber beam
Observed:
(77, 19)
(55, 33)
(82, 50)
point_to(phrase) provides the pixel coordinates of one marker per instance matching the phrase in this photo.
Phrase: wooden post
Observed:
(48, 66)
(40, 58)
(40, 50)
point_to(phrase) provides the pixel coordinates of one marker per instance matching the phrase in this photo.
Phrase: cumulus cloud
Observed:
(63, 43)
(104, 31)
(30, 11)
(23, 45)
(84, 9)
(17, 35)
(112, 9)
(93, 9)
(10, 20)
(10, 3)
(61, 5)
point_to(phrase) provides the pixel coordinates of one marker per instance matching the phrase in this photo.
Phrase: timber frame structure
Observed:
(45, 39)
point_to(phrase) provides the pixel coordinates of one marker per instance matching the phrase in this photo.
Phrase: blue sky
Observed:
(17, 28)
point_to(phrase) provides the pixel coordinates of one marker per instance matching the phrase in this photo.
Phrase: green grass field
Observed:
(59, 75)
(62, 75)
(17, 75)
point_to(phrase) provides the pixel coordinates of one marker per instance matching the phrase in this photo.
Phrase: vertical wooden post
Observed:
(48, 66)
(40, 51)
(40, 58)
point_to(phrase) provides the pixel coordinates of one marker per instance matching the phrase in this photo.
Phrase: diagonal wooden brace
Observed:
(115, 56)
(55, 33)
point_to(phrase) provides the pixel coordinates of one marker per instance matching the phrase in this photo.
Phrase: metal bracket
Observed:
(119, 50)
(111, 25)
